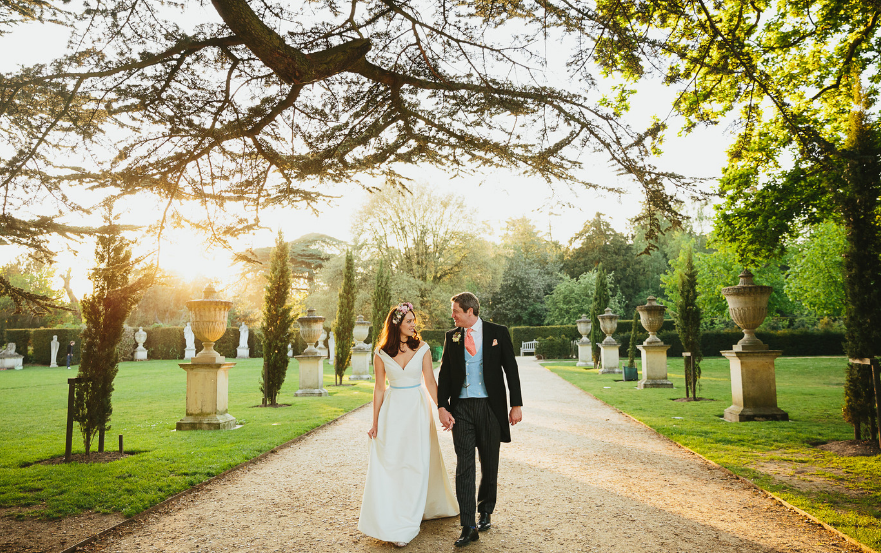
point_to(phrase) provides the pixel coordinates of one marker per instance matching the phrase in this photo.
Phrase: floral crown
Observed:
(401, 311)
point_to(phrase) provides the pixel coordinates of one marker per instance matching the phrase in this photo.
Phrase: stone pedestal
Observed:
(189, 353)
(753, 386)
(610, 358)
(243, 352)
(311, 376)
(360, 364)
(654, 366)
(585, 357)
(207, 397)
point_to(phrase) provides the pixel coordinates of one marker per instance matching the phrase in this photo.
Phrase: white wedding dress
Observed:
(406, 477)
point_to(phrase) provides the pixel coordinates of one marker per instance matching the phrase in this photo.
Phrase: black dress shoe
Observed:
(469, 534)
(484, 522)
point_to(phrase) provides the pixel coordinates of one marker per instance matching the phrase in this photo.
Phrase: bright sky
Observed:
(496, 196)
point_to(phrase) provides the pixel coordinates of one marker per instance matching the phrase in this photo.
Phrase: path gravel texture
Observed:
(578, 476)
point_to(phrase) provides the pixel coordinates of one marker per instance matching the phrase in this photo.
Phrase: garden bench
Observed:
(528, 347)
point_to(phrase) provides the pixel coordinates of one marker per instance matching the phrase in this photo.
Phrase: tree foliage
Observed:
(104, 312)
(266, 101)
(816, 270)
(278, 322)
(573, 297)
(600, 303)
(687, 317)
(382, 301)
(345, 321)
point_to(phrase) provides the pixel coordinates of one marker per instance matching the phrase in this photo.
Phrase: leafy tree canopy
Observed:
(261, 103)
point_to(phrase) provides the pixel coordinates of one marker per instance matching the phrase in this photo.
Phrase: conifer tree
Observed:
(278, 322)
(862, 266)
(600, 302)
(688, 322)
(345, 321)
(631, 349)
(382, 300)
(104, 313)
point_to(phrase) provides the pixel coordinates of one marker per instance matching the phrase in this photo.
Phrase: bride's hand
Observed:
(372, 432)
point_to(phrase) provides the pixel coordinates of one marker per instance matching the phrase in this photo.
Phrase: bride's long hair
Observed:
(390, 337)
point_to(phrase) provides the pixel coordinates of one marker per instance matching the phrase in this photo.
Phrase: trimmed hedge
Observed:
(41, 341)
(433, 337)
(21, 337)
(792, 342)
(165, 342)
(558, 347)
(520, 334)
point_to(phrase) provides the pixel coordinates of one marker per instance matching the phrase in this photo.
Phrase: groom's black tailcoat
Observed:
(499, 364)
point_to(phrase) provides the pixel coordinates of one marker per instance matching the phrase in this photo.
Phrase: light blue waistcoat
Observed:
(474, 385)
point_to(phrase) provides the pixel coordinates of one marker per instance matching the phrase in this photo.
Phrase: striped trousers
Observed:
(476, 427)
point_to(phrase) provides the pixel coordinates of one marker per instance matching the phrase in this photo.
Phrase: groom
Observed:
(472, 402)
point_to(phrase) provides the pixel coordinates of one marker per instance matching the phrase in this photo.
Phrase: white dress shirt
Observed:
(477, 334)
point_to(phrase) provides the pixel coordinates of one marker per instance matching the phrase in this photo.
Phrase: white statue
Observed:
(54, 346)
(290, 350)
(331, 344)
(322, 349)
(140, 338)
(190, 339)
(9, 359)
(10, 348)
(243, 335)
(243, 352)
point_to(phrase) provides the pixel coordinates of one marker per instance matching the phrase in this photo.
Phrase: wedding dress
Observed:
(406, 478)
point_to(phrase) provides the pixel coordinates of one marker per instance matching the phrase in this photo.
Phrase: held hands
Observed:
(516, 415)
(372, 432)
(446, 419)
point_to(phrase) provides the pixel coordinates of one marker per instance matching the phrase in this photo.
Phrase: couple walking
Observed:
(406, 477)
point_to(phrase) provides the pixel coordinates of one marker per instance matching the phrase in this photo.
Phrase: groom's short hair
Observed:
(466, 301)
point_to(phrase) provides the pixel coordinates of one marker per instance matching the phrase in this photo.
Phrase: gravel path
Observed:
(578, 476)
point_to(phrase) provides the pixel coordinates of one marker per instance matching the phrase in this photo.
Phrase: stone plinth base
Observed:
(140, 354)
(753, 386)
(360, 364)
(585, 357)
(609, 359)
(11, 361)
(311, 376)
(654, 366)
(243, 353)
(189, 353)
(207, 397)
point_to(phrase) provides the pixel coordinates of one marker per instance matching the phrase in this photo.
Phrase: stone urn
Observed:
(748, 306)
(208, 372)
(140, 351)
(608, 324)
(362, 329)
(208, 321)
(651, 316)
(583, 325)
(311, 327)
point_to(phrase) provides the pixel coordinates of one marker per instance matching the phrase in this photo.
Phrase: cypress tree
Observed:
(861, 188)
(688, 322)
(278, 322)
(600, 303)
(104, 313)
(345, 321)
(382, 300)
(631, 349)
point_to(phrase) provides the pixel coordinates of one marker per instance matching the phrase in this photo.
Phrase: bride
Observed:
(406, 477)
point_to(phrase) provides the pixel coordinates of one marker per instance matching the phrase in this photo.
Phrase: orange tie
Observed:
(469, 343)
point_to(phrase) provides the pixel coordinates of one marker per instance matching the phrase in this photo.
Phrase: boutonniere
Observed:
(457, 336)
(495, 342)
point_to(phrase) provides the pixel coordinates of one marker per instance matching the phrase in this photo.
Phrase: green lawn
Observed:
(844, 492)
(150, 398)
